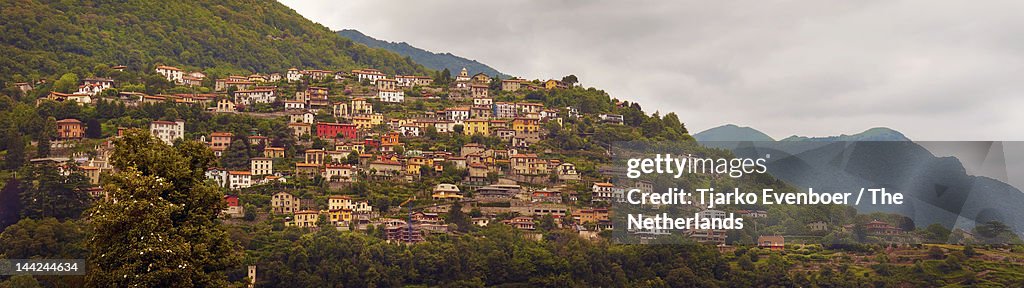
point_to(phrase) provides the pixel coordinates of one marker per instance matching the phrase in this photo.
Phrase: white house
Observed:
(457, 114)
(482, 101)
(249, 97)
(505, 110)
(339, 173)
(261, 166)
(172, 74)
(410, 130)
(218, 175)
(391, 96)
(89, 89)
(368, 74)
(611, 118)
(304, 116)
(603, 191)
(239, 179)
(168, 131)
(406, 80)
(294, 105)
(293, 75)
(93, 86)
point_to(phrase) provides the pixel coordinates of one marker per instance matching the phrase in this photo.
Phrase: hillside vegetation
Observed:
(43, 38)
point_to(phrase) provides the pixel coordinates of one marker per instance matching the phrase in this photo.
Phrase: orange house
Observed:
(70, 129)
(389, 139)
(220, 140)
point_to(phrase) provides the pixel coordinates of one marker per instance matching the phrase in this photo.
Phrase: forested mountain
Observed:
(732, 132)
(43, 38)
(873, 134)
(436, 61)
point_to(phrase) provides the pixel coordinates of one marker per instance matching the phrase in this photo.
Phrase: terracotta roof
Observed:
(168, 68)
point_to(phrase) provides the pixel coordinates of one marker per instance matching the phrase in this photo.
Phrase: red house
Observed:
(232, 200)
(331, 130)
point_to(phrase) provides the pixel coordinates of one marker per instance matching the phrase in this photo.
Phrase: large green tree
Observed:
(161, 229)
(236, 156)
(51, 191)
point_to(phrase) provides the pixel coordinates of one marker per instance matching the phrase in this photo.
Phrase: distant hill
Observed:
(47, 38)
(436, 61)
(936, 189)
(731, 132)
(873, 134)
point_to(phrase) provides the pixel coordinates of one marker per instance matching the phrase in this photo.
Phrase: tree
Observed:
(170, 114)
(969, 251)
(236, 156)
(745, 263)
(163, 231)
(67, 83)
(10, 203)
(250, 212)
(15, 156)
(46, 238)
(455, 216)
(21, 281)
(48, 193)
(546, 223)
(43, 138)
(352, 158)
(995, 232)
(937, 233)
(570, 80)
(444, 77)
(93, 129)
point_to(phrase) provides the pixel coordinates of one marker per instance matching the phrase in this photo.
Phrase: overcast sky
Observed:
(934, 70)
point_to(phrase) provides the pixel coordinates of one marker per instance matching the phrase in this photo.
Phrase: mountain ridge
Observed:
(732, 132)
(432, 60)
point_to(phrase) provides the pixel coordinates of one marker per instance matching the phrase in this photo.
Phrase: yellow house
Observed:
(338, 202)
(477, 126)
(299, 129)
(363, 122)
(526, 125)
(552, 84)
(412, 169)
(421, 161)
(93, 173)
(528, 164)
(273, 152)
(361, 107)
(307, 169)
(376, 119)
(305, 218)
(338, 216)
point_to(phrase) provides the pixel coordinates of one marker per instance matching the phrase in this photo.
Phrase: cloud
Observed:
(934, 70)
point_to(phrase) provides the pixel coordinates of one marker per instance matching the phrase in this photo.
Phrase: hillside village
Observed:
(350, 128)
(350, 131)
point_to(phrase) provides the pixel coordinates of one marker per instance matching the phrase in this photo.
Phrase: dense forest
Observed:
(46, 38)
